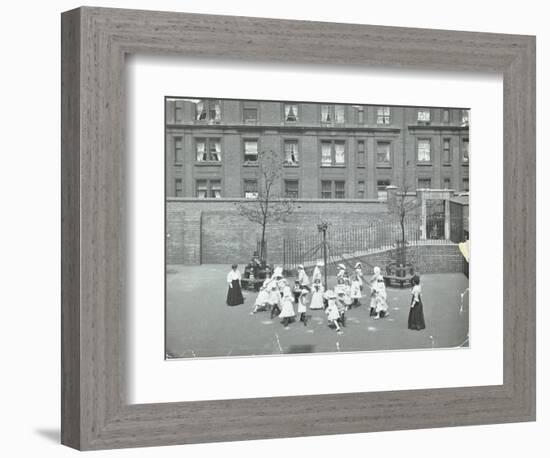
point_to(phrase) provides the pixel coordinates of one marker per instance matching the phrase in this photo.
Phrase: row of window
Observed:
(330, 189)
(333, 152)
(211, 110)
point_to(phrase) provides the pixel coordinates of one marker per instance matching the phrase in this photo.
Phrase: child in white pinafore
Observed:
(355, 291)
(262, 299)
(317, 296)
(333, 315)
(274, 299)
(287, 307)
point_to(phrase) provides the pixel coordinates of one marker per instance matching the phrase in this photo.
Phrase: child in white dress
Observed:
(333, 315)
(355, 291)
(303, 279)
(317, 296)
(274, 299)
(379, 288)
(287, 307)
(261, 301)
(317, 272)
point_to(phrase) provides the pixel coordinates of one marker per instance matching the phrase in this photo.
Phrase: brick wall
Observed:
(213, 232)
(429, 258)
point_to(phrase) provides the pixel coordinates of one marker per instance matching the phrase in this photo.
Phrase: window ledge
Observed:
(208, 163)
(250, 164)
(178, 164)
(383, 166)
(465, 163)
(333, 166)
(424, 164)
(291, 164)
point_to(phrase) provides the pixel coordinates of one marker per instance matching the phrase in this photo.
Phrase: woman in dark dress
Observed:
(416, 313)
(234, 293)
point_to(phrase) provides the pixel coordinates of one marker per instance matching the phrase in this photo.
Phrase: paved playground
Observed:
(199, 324)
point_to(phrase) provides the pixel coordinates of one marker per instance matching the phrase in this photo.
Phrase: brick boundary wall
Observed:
(212, 232)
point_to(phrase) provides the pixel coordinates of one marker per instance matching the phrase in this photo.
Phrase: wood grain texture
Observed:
(95, 413)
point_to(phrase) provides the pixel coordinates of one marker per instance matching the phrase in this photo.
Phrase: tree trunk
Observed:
(263, 256)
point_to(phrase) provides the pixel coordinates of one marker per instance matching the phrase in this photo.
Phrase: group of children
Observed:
(277, 296)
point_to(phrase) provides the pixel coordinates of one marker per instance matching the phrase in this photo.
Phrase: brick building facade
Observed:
(337, 162)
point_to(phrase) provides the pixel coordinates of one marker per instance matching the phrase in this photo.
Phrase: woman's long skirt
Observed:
(234, 294)
(416, 316)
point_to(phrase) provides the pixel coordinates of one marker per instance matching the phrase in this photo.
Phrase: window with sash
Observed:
(178, 150)
(291, 112)
(464, 117)
(446, 116)
(179, 187)
(423, 150)
(208, 110)
(250, 115)
(250, 189)
(333, 189)
(465, 150)
(291, 152)
(361, 190)
(447, 183)
(383, 115)
(208, 150)
(360, 114)
(466, 184)
(250, 151)
(333, 153)
(178, 111)
(361, 154)
(424, 115)
(209, 189)
(292, 189)
(383, 153)
(446, 150)
(381, 188)
(424, 183)
(333, 114)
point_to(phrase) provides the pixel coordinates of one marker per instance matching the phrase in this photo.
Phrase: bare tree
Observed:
(268, 206)
(401, 203)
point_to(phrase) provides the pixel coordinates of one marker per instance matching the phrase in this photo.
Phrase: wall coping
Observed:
(313, 200)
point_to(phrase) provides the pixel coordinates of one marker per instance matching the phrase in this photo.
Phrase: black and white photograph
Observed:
(300, 227)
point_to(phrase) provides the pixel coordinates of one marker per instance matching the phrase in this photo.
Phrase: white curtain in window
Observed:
(217, 111)
(383, 115)
(201, 151)
(326, 153)
(202, 190)
(200, 113)
(465, 150)
(325, 113)
(215, 151)
(339, 156)
(383, 152)
(339, 114)
(424, 115)
(251, 147)
(424, 151)
(291, 112)
(465, 117)
(251, 151)
(291, 152)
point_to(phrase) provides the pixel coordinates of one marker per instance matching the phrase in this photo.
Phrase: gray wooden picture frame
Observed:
(95, 413)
